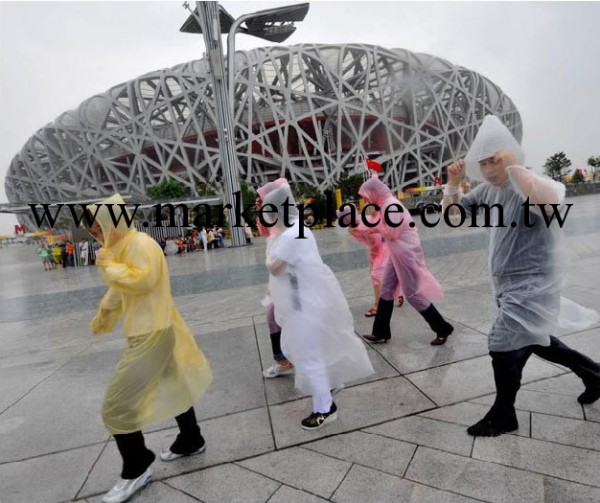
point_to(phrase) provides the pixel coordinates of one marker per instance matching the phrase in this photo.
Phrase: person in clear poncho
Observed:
(406, 267)
(162, 373)
(282, 366)
(526, 260)
(317, 329)
(379, 255)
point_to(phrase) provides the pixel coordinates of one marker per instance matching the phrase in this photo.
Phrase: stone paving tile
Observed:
(366, 485)
(47, 479)
(562, 491)
(358, 407)
(237, 379)
(566, 462)
(228, 438)
(154, 492)
(374, 451)
(301, 469)
(470, 378)
(287, 494)
(477, 479)
(410, 350)
(428, 432)
(43, 422)
(567, 384)
(226, 484)
(468, 413)
(592, 412)
(584, 434)
(546, 403)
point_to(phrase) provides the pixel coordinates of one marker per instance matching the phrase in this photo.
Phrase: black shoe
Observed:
(492, 426)
(375, 340)
(590, 395)
(318, 419)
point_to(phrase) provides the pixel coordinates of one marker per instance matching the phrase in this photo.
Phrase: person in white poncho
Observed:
(526, 262)
(317, 329)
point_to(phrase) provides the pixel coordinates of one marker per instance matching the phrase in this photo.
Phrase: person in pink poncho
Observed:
(281, 366)
(378, 253)
(406, 266)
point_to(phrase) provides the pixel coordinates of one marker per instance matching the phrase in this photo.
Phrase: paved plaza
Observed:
(401, 434)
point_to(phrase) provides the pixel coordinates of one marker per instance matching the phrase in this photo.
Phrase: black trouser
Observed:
(137, 457)
(508, 369)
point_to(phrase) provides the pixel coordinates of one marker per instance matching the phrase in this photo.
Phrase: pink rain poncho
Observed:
(317, 328)
(378, 252)
(404, 246)
(262, 193)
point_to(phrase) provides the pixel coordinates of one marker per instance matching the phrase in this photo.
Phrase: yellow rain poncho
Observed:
(162, 373)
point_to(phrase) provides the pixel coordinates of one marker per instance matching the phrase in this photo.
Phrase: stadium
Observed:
(308, 112)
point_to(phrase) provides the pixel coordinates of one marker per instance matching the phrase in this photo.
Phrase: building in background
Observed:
(308, 112)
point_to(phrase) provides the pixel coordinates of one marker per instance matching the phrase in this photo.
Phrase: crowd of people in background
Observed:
(199, 239)
(63, 253)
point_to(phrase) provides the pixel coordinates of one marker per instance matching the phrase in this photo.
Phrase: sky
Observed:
(544, 55)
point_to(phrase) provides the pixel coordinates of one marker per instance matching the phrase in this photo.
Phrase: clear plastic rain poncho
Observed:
(527, 263)
(402, 241)
(317, 329)
(162, 373)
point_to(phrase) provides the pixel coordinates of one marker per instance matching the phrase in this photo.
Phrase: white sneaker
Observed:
(169, 455)
(277, 370)
(126, 488)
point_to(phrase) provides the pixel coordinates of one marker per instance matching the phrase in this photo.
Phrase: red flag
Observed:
(373, 165)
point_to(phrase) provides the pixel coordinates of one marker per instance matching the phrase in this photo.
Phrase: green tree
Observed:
(248, 198)
(556, 165)
(349, 186)
(594, 162)
(206, 189)
(167, 189)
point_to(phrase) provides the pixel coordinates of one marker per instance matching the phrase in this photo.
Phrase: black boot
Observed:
(136, 457)
(583, 367)
(381, 325)
(189, 440)
(502, 418)
(438, 324)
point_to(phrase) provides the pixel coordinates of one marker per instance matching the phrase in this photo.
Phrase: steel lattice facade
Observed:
(307, 112)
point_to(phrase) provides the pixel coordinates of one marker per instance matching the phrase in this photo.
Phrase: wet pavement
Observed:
(401, 434)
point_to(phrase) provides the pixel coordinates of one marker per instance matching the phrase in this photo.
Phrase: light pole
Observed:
(211, 19)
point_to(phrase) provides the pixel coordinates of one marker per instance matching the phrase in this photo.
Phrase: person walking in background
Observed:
(83, 251)
(162, 373)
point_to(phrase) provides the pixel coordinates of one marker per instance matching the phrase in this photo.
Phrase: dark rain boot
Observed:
(502, 418)
(136, 457)
(381, 325)
(583, 367)
(438, 324)
(189, 440)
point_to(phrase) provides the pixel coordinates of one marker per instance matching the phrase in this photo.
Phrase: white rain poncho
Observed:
(162, 373)
(526, 256)
(317, 329)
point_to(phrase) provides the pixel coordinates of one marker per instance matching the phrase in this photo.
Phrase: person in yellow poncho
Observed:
(162, 373)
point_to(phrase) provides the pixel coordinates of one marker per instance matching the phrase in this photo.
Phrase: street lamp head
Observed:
(274, 25)
(191, 23)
